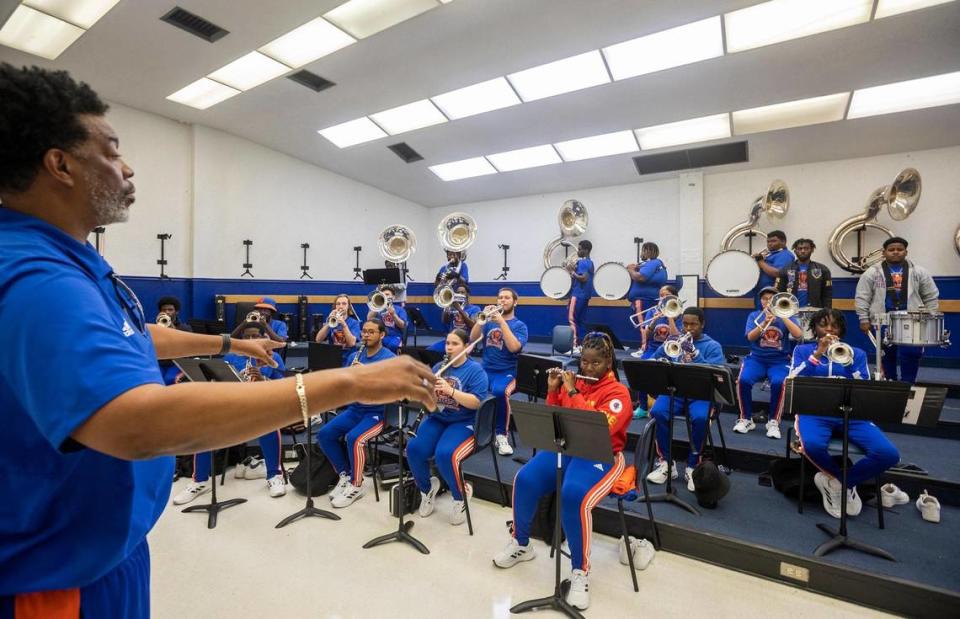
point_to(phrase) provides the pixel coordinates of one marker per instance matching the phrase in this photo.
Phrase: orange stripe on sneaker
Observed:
(61, 604)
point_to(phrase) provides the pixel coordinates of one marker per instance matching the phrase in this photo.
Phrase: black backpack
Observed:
(322, 474)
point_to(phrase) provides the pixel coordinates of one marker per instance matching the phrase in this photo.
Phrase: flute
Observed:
(589, 379)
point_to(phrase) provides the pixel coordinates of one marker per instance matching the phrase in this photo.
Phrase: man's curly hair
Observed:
(38, 111)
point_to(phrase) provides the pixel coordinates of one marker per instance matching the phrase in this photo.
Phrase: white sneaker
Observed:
(514, 553)
(659, 474)
(637, 354)
(579, 594)
(257, 469)
(830, 489)
(773, 429)
(348, 496)
(192, 491)
(854, 503)
(744, 425)
(890, 495)
(929, 507)
(427, 498)
(503, 445)
(241, 468)
(688, 475)
(277, 485)
(340, 487)
(643, 553)
(458, 514)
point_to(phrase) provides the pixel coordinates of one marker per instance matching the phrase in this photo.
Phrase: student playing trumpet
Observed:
(345, 331)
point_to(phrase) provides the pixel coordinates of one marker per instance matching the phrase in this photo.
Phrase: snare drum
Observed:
(804, 314)
(913, 328)
(732, 273)
(612, 281)
(556, 283)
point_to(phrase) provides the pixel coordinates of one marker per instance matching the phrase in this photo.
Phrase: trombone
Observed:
(674, 347)
(669, 306)
(782, 305)
(483, 317)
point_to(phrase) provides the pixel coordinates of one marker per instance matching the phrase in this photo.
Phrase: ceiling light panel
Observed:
(598, 146)
(39, 34)
(362, 18)
(486, 96)
(662, 50)
(315, 39)
(409, 117)
(714, 127)
(82, 13)
(203, 93)
(353, 132)
(886, 8)
(524, 158)
(555, 78)
(783, 20)
(791, 114)
(466, 168)
(249, 71)
(902, 96)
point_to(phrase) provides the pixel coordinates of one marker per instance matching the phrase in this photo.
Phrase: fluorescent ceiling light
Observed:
(38, 34)
(315, 39)
(82, 13)
(465, 168)
(663, 50)
(791, 114)
(408, 117)
(353, 132)
(886, 8)
(362, 18)
(598, 146)
(555, 78)
(909, 95)
(249, 71)
(532, 157)
(483, 97)
(203, 93)
(714, 127)
(783, 20)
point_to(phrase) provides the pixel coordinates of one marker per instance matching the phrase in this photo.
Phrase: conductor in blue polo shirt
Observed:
(97, 426)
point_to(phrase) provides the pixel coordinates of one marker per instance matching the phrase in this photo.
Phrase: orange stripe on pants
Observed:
(61, 604)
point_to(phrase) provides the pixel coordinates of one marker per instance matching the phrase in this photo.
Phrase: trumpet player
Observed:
(169, 306)
(805, 279)
(814, 433)
(276, 330)
(774, 258)
(460, 315)
(653, 335)
(580, 292)
(648, 278)
(394, 318)
(342, 328)
(769, 358)
(504, 335)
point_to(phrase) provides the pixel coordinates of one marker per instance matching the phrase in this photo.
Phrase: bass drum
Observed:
(612, 281)
(732, 273)
(556, 283)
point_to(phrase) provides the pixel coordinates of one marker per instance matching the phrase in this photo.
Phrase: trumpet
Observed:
(164, 320)
(782, 305)
(669, 306)
(482, 317)
(247, 374)
(334, 319)
(555, 371)
(676, 346)
(377, 301)
(254, 317)
(840, 353)
(445, 297)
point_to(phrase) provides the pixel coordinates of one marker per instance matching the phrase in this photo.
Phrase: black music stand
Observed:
(378, 277)
(867, 400)
(417, 319)
(566, 432)
(402, 534)
(322, 356)
(532, 381)
(210, 371)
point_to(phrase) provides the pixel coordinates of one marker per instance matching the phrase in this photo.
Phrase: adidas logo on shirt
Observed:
(127, 329)
(598, 466)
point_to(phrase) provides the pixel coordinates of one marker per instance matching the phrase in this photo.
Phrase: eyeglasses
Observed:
(130, 303)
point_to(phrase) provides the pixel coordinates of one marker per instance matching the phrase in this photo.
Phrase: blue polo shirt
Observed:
(583, 289)
(73, 338)
(469, 378)
(779, 259)
(773, 345)
(655, 273)
(496, 357)
(361, 356)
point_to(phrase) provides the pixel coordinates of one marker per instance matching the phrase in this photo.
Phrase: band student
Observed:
(347, 332)
(504, 335)
(893, 285)
(657, 331)
(170, 306)
(454, 270)
(775, 257)
(460, 315)
(394, 318)
(76, 542)
(585, 483)
(648, 277)
(580, 292)
(447, 434)
(805, 279)
(276, 330)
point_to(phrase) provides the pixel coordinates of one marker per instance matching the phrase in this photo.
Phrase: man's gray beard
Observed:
(109, 206)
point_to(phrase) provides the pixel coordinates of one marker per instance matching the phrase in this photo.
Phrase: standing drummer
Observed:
(805, 279)
(896, 284)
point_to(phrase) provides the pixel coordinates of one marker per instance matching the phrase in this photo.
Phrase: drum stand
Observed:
(506, 269)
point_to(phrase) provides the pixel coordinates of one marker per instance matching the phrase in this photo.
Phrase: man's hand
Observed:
(400, 378)
(865, 326)
(824, 343)
(259, 349)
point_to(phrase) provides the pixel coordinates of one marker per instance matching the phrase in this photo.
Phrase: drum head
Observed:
(732, 273)
(612, 281)
(555, 282)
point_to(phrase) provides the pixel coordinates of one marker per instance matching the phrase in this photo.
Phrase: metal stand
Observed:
(670, 496)
(304, 267)
(357, 271)
(506, 269)
(309, 510)
(247, 265)
(638, 241)
(163, 238)
(213, 508)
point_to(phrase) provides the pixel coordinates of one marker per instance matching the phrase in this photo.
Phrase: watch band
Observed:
(225, 345)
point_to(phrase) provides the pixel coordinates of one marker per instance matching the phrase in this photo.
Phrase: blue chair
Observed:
(562, 343)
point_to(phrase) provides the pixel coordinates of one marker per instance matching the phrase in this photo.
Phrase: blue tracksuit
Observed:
(580, 294)
(456, 322)
(709, 352)
(501, 366)
(769, 357)
(394, 337)
(447, 435)
(358, 423)
(815, 432)
(335, 336)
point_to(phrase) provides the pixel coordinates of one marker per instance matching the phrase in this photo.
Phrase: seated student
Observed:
(447, 434)
(585, 483)
(457, 316)
(276, 330)
(701, 348)
(250, 370)
(656, 333)
(347, 332)
(815, 432)
(358, 423)
(769, 357)
(394, 318)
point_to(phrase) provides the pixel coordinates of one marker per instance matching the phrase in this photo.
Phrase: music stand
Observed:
(566, 432)
(532, 374)
(418, 321)
(867, 400)
(378, 277)
(321, 356)
(210, 371)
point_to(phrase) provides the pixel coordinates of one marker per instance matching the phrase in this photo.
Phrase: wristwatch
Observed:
(573, 392)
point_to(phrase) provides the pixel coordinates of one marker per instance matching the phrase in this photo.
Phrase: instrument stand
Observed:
(247, 265)
(638, 241)
(309, 509)
(532, 381)
(506, 269)
(98, 232)
(879, 322)
(163, 238)
(213, 508)
(304, 267)
(357, 271)
(402, 534)
(406, 273)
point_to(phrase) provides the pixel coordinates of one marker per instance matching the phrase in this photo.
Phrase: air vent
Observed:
(194, 24)
(311, 80)
(721, 154)
(406, 153)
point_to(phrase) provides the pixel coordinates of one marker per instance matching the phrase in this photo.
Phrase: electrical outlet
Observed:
(788, 570)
